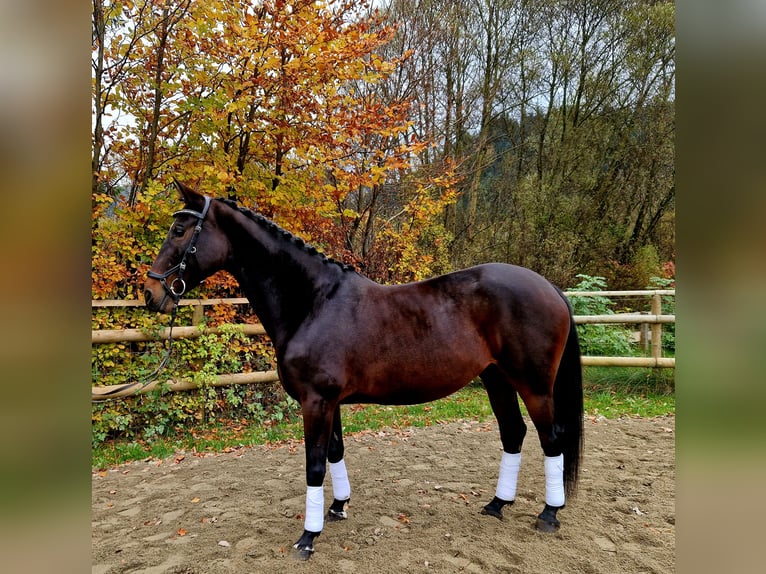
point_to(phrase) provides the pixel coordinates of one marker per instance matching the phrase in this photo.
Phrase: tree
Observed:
(269, 104)
(565, 133)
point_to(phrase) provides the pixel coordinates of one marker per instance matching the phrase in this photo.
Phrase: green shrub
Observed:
(161, 413)
(599, 340)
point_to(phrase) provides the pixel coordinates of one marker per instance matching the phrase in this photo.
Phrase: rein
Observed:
(151, 377)
(170, 290)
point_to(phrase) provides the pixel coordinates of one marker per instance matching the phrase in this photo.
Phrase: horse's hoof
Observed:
(337, 511)
(304, 548)
(547, 521)
(547, 526)
(333, 516)
(302, 553)
(487, 511)
(495, 508)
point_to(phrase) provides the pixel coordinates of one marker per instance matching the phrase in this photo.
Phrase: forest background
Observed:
(408, 138)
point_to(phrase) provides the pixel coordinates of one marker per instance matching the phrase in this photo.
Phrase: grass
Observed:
(609, 392)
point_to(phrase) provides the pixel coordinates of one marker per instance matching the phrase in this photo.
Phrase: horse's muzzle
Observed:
(161, 304)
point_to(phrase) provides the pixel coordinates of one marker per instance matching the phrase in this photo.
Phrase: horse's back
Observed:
(420, 341)
(503, 287)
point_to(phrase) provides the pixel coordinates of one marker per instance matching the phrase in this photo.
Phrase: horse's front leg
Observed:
(317, 427)
(341, 488)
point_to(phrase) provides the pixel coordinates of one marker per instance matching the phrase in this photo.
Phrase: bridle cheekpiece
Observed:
(177, 287)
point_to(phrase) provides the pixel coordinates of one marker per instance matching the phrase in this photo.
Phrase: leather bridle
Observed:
(177, 287)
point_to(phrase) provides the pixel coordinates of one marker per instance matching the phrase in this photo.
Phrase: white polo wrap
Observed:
(341, 488)
(554, 480)
(509, 474)
(314, 508)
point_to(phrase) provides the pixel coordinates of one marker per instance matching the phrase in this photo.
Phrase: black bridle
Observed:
(170, 290)
(180, 267)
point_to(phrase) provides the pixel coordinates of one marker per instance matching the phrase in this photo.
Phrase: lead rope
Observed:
(151, 377)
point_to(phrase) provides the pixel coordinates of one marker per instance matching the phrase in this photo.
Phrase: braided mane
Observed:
(280, 233)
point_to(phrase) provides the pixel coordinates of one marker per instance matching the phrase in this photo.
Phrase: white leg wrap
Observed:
(554, 480)
(341, 488)
(314, 508)
(509, 474)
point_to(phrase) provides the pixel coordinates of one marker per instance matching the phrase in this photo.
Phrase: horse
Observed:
(342, 338)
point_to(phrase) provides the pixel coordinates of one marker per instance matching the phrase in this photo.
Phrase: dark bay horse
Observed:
(342, 338)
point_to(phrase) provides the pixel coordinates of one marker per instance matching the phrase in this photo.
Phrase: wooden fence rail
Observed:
(654, 318)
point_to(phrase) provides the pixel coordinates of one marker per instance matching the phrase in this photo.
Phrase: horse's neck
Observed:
(283, 282)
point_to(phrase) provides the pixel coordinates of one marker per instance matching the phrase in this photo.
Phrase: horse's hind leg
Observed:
(540, 407)
(505, 405)
(341, 488)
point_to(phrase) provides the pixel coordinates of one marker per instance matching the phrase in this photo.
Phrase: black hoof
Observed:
(337, 511)
(547, 521)
(304, 548)
(302, 554)
(495, 508)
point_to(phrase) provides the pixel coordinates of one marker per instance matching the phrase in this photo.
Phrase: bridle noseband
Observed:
(177, 287)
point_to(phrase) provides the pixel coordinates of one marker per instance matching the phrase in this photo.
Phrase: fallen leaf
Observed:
(403, 519)
(195, 499)
(181, 532)
(179, 458)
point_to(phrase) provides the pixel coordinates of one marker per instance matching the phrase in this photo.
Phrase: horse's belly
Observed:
(400, 383)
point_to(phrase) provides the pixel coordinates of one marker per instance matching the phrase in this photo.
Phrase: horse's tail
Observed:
(568, 405)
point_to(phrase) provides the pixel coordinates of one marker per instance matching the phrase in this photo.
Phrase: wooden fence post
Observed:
(656, 327)
(198, 315)
(643, 338)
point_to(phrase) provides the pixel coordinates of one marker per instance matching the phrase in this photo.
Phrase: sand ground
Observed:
(415, 507)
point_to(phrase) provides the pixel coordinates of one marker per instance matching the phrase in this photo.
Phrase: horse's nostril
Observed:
(147, 296)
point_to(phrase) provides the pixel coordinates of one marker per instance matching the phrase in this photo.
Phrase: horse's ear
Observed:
(187, 194)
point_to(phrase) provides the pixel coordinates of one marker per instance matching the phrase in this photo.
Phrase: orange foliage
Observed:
(270, 104)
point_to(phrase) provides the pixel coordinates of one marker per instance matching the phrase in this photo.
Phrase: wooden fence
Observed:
(650, 338)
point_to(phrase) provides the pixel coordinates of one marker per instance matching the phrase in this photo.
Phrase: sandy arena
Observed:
(415, 507)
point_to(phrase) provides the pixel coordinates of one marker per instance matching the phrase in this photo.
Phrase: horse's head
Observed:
(194, 249)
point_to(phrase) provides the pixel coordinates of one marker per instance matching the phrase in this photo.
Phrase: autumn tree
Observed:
(270, 104)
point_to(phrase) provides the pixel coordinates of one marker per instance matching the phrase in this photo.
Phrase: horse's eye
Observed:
(178, 231)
